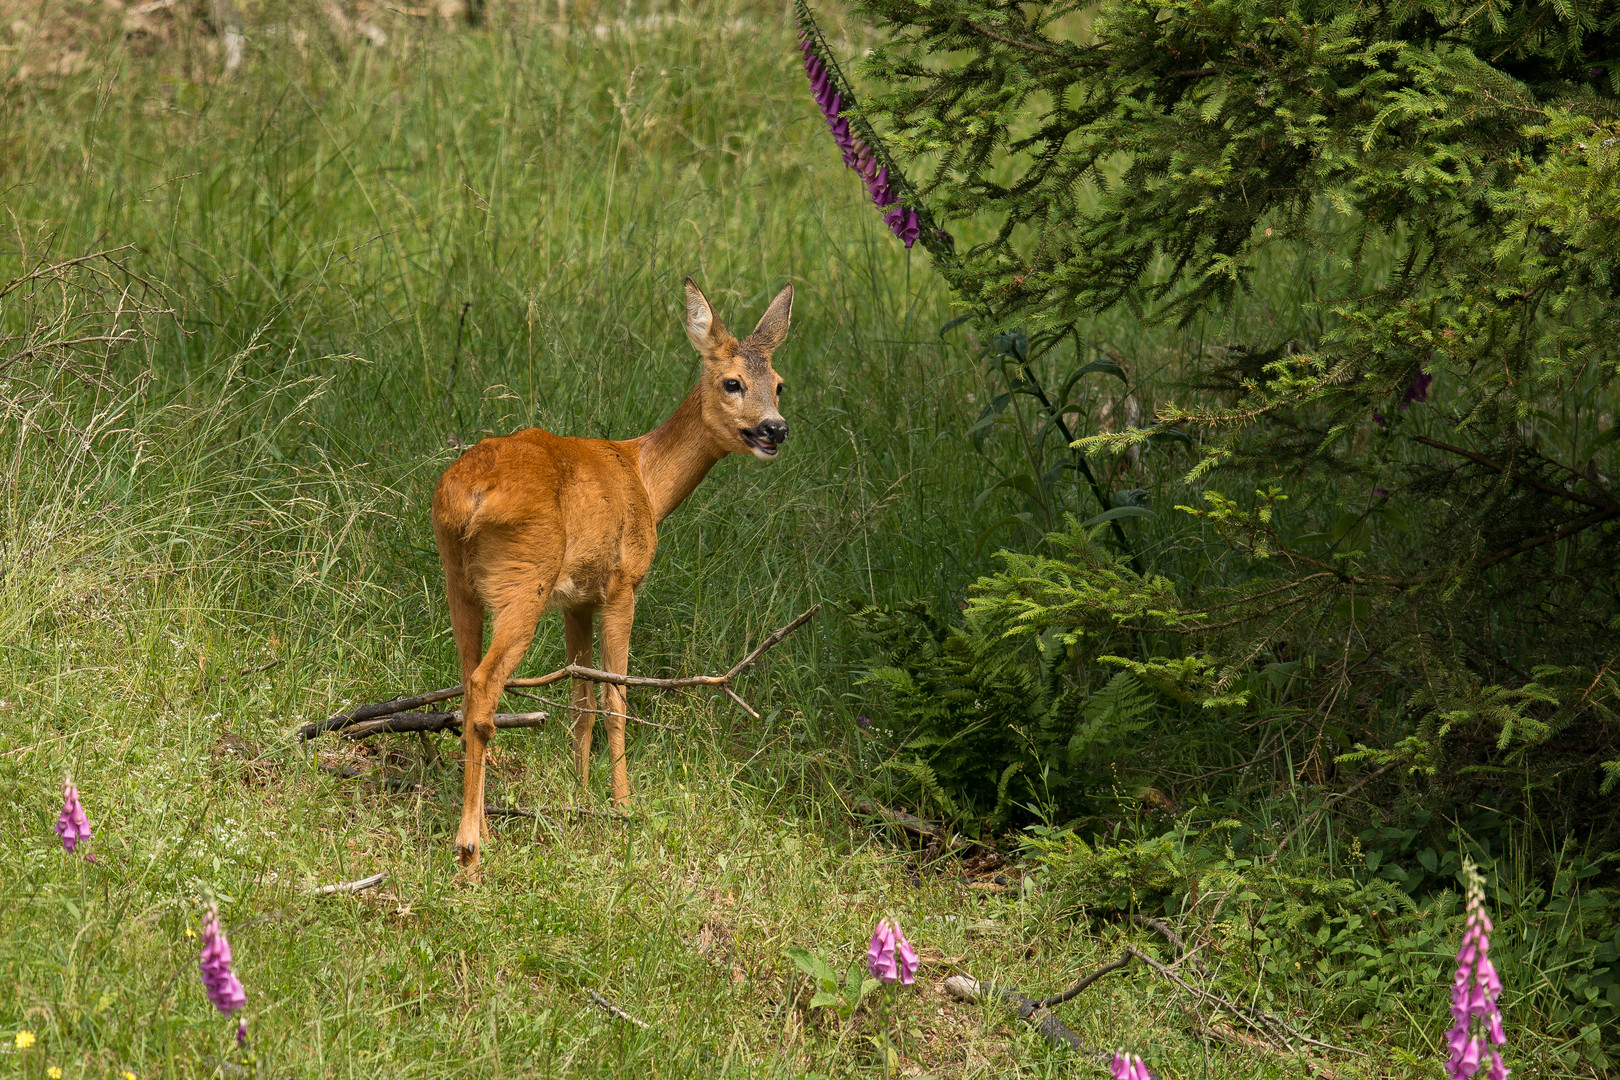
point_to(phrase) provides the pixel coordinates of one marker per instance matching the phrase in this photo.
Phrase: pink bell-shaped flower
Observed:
(72, 825)
(890, 958)
(223, 987)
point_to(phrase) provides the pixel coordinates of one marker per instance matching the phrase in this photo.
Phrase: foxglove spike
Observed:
(890, 958)
(72, 826)
(863, 158)
(223, 987)
(1476, 985)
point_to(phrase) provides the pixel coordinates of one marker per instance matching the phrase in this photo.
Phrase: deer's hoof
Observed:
(469, 854)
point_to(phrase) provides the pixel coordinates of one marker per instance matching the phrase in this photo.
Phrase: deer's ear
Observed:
(703, 327)
(773, 325)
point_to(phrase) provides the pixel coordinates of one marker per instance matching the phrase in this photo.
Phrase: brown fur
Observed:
(535, 520)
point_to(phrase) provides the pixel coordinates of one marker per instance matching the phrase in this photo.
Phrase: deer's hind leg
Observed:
(466, 609)
(519, 602)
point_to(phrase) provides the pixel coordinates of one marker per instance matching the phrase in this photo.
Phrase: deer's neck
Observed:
(676, 456)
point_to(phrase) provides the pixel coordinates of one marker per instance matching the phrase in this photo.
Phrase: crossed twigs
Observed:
(411, 714)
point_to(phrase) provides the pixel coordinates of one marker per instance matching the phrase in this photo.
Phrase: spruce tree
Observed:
(1453, 613)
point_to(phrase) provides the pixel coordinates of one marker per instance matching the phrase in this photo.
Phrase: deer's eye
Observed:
(732, 386)
(779, 388)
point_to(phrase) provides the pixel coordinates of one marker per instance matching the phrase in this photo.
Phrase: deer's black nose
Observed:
(774, 430)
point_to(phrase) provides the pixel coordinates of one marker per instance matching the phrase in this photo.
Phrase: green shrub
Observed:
(1349, 941)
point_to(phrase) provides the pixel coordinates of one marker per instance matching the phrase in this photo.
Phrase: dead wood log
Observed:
(389, 709)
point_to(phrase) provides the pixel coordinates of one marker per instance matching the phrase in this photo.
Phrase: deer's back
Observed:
(575, 510)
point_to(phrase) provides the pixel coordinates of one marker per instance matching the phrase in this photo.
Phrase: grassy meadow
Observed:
(322, 275)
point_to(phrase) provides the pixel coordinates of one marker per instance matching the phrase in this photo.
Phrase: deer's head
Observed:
(740, 390)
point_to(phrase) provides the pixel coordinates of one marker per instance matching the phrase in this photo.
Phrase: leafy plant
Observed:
(1351, 932)
(842, 993)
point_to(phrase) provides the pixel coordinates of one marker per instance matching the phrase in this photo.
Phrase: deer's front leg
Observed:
(618, 614)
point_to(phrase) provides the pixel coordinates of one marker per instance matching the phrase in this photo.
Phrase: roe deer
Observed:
(535, 520)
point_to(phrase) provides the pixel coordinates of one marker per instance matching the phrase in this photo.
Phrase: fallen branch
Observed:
(1162, 929)
(1053, 1030)
(910, 823)
(1074, 991)
(614, 1011)
(1305, 822)
(1271, 1028)
(600, 712)
(390, 709)
(1268, 1025)
(350, 886)
(437, 721)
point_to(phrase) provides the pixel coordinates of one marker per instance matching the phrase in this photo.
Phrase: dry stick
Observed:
(438, 721)
(1306, 821)
(967, 988)
(1267, 1024)
(1162, 928)
(601, 712)
(614, 1011)
(910, 823)
(350, 886)
(1085, 981)
(572, 671)
(747, 708)
(1270, 1027)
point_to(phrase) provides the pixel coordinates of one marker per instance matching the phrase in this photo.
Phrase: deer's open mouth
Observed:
(759, 444)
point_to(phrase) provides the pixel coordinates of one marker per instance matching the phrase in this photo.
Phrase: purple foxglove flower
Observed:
(223, 987)
(1418, 389)
(1378, 418)
(890, 958)
(904, 224)
(1380, 493)
(879, 187)
(1474, 990)
(241, 1032)
(858, 155)
(71, 824)
(1128, 1067)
